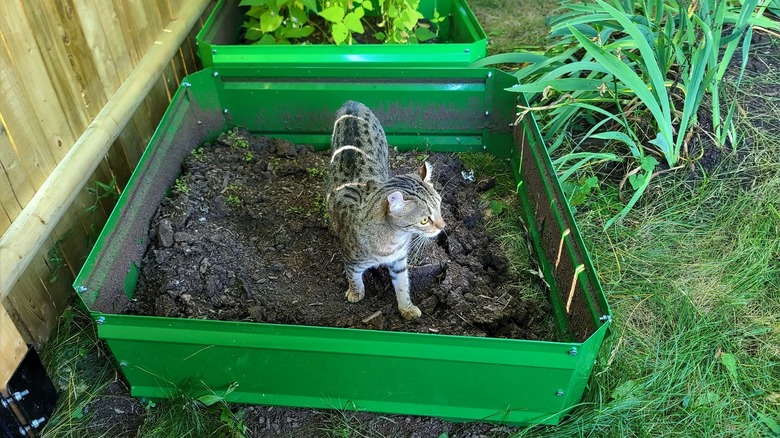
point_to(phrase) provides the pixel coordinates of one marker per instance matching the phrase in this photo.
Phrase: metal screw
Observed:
(605, 318)
(573, 351)
(490, 74)
(559, 393)
(81, 289)
(214, 52)
(484, 147)
(101, 320)
(467, 50)
(216, 73)
(123, 363)
(19, 395)
(225, 111)
(186, 84)
(38, 422)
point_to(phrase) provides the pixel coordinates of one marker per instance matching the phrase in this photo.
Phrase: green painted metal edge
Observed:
(467, 42)
(454, 377)
(501, 380)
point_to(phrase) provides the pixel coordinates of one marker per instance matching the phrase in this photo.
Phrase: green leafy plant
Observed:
(233, 422)
(234, 200)
(56, 257)
(272, 22)
(181, 186)
(99, 192)
(197, 153)
(630, 77)
(315, 172)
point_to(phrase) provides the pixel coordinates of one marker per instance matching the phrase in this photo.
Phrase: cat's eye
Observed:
(425, 220)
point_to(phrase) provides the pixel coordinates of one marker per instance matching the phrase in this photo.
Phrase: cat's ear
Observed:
(426, 172)
(395, 202)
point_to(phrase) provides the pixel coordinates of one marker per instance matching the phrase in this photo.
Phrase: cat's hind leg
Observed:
(356, 290)
(399, 274)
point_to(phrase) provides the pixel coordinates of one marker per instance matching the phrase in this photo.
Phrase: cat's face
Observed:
(417, 208)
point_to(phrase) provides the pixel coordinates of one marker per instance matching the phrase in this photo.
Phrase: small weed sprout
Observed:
(181, 186)
(275, 163)
(320, 207)
(197, 153)
(248, 157)
(234, 200)
(236, 140)
(315, 172)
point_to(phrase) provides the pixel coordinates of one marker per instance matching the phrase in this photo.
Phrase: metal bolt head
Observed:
(216, 73)
(487, 113)
(123, 363)
(559, 393)
(484, 147)
(186, 84)
(214, 52)
(573, 351)
(225, 111)
(490, 74)
(101, 320)
(467, 50)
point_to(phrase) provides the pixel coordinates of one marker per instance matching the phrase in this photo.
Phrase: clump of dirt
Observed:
(243, 236)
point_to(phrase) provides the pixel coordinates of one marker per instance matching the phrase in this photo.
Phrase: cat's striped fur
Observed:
(375, 215)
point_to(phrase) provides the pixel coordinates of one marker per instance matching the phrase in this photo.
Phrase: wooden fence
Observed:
(60, 63)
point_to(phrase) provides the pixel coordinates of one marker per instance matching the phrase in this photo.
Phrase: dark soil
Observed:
(243, 236)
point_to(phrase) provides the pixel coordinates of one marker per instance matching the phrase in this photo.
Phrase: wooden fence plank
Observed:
(21, 124)
(13, 347)
(89, 18)
(48, 32)
(37, 85)
(19, 187)
(23, 240)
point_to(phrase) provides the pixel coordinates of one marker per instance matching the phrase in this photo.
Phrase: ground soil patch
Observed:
(243, 236)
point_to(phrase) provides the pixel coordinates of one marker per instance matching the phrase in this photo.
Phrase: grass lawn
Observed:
(692, 274)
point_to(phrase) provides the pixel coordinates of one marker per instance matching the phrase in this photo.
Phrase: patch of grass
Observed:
(512, 25)
(180, 416)
(80, 367)
(691, 276)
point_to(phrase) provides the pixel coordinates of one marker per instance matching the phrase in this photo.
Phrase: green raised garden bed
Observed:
(462, 41)
(454, 377)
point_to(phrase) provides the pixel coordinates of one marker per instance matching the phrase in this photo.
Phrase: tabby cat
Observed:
(375, 215)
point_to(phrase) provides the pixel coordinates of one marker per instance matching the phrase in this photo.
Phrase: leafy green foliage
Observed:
(181, 186)
(629, 77)
(285, 21)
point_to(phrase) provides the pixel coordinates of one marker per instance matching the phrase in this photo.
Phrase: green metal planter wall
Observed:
(462, 42)
(454, 377)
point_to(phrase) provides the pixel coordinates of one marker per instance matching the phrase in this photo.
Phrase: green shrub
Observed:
(285, 21)
(628, 78)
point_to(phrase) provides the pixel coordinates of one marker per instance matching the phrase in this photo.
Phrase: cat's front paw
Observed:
(411, 313)
(354, 297)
